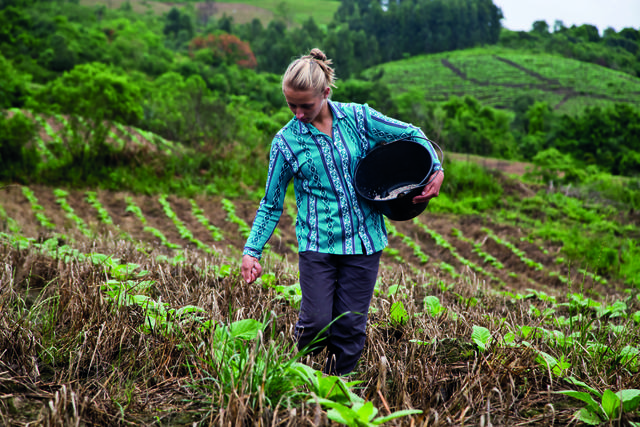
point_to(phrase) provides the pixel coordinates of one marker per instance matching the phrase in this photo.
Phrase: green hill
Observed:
(241, 12)
(499, 76)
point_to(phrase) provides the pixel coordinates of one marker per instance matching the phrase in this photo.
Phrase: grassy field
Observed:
(242, 12)
(498, 76)
(321, 10)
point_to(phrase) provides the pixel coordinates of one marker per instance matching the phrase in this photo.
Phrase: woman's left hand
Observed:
(432, 189)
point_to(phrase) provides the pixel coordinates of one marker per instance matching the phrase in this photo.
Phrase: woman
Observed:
(340, 237)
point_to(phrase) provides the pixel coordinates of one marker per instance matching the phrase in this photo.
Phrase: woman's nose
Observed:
(299, 113)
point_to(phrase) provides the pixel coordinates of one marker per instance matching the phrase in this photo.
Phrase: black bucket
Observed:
(392, 174)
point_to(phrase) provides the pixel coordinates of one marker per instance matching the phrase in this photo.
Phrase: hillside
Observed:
(241, 12)
(499, 76)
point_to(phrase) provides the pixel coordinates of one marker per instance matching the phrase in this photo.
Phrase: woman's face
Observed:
(306, 105)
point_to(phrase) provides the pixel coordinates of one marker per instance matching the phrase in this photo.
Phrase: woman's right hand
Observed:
(251, 269)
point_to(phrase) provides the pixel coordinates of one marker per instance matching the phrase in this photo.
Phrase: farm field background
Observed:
(514, 299)
(240, 12)
(498, 76)
(464, 304)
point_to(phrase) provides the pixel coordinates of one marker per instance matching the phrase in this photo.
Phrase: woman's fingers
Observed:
(431, 190)
(251, 269)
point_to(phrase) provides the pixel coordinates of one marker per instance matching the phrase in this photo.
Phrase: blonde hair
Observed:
(310, 71)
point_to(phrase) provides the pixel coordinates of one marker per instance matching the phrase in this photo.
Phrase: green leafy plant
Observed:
(609, 408)
(61, 199)
(557, 367)
(361, 414)
(198, 213)
(398, 314)
(11, 223)
(37, 209)
(481, 337)
(103, 215)
(432, 306)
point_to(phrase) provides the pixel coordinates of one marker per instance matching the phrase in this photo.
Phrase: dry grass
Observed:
(70, 357)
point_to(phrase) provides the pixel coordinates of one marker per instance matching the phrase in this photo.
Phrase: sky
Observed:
(520, 14)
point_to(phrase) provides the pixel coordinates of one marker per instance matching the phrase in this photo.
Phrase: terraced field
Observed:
(498, 76)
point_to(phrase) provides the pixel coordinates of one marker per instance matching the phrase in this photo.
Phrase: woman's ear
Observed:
(327, 92)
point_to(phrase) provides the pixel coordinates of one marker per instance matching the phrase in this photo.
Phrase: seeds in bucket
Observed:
(397, 192)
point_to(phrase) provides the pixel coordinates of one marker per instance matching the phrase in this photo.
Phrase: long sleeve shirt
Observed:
(331, 217)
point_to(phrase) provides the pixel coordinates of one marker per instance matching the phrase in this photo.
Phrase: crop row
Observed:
(58, 133)
(488, 265)
(570, 334)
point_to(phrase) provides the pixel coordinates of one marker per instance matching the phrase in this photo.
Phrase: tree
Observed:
(18, 156)
(227, 47)
(14, 89)
(558, 26)
(177, 22)
(96, 92)
(540, 27)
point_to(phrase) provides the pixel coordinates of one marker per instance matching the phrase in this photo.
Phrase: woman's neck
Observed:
(324, 121)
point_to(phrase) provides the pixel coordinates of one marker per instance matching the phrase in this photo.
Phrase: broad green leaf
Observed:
(481, 336)
(245, 329)
(269, 279)
(592, 405)
(342, 415)
(365, 411)
(589, 417)
(630, 354)
(598, 347)
(189, 309)
(558, 367)
(579, 383)
(630, 399)
(398, 314)
(141, 300)
(102, 259)
(610, 403)
(432, 305)
(510, 339)
(338, 412)
(225, 270)
(397, 414)
(526, 331)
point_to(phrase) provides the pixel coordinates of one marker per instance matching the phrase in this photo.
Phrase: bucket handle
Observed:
(434, 145)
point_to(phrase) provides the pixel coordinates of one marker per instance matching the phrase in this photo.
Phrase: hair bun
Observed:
(317, 54)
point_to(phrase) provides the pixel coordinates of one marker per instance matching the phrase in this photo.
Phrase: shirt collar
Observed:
(337, 115)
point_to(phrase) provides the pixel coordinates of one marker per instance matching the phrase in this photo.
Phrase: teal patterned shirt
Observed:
(331, 217)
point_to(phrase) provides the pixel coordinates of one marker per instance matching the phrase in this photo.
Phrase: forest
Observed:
(134, 142)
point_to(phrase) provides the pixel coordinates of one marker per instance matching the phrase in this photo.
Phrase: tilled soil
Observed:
(515, 275)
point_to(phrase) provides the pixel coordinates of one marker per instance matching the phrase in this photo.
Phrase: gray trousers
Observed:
(338, 289)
